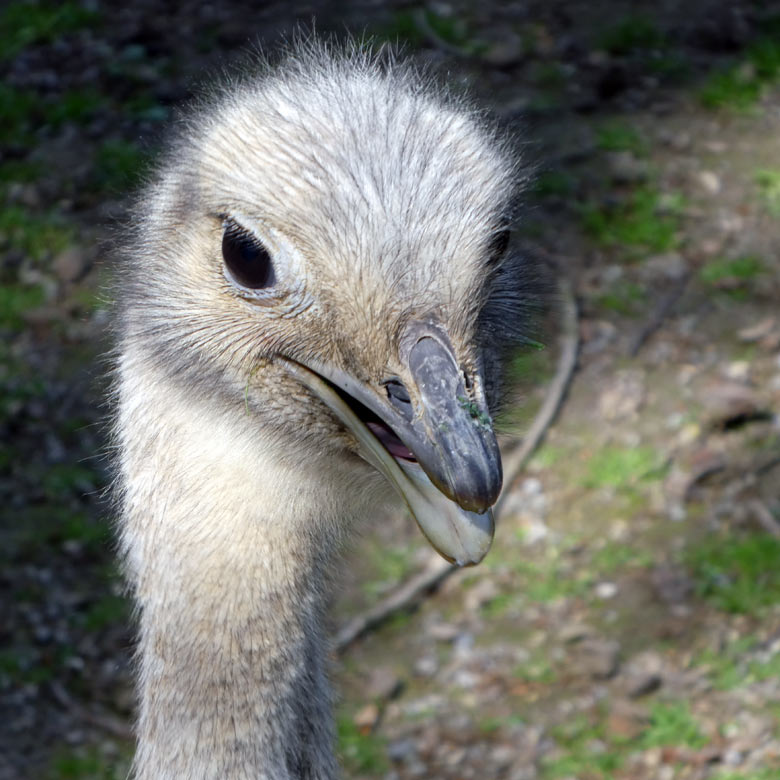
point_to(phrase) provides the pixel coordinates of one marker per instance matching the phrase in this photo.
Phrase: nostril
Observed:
(399, 397)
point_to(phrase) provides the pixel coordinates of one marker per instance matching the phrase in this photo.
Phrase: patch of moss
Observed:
(732, 275)
(119, 165)
(76, 106)
(737, 575)
(363, 753)
(86, 763)
(622, 468)
(622, 298)
(36, 235)
(23, 24)
(740, 86)
(671, 723)
(584, 751)
(19, 109)
(614, 556)
(768, 181)
(15, 300)
(554, 184)
(620, 137)
(645, 220)
(633, 33)
(729, 668)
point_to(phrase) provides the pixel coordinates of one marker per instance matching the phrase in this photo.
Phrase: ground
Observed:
(627, 622)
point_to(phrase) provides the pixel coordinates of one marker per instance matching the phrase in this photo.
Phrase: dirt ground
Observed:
(626, 624)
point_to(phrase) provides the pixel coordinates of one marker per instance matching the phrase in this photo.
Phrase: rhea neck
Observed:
(226, 543)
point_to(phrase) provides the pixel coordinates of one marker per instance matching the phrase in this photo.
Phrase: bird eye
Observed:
(246, 259)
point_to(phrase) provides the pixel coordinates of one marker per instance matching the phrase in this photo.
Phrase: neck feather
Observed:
(227, 548)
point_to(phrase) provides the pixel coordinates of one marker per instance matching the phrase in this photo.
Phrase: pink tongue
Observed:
(390, 441)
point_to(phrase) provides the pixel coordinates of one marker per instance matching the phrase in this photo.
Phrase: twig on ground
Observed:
(102, 720)
(515, 462)
(765, 517)
(416, 588)
(659, 314)
(404, 597)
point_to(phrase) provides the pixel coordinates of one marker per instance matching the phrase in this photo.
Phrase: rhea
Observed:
(313, 301)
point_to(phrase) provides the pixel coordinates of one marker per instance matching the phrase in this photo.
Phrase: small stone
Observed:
(625, 168)
(716, 147)
(739, 370)
(758, 331)
(366, 718)
(709, 182)
(669, 265)
(641, 684)
(574, 632)
(600, 657)
(606, 590)
(444, 632)
(427, 666)
(384, 684)
(402, 750)
(71, 264)
(624, 395)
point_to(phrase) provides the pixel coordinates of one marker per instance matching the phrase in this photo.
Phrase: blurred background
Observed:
(627, 622)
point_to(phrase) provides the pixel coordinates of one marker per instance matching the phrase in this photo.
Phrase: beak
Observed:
(440, 454)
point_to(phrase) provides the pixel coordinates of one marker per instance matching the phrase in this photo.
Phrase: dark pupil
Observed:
(246, 259)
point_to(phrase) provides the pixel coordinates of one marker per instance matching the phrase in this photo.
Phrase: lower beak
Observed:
(457, 475)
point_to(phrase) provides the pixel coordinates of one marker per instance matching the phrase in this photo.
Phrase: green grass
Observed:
(15, 300)
(631, 34)
(388, 565)
(549, 75)
(621, 468)
(409, 27)
(36, 235)
(360, 753)
(547, 581)
(733, 275)
(554, 184)
(740, 86)
(614, 556)
(23, 24)
(584, 752)
(739, 575)
(547, 456)
(86, 763)
(645, 221)
(671, 723)
(768, 181)
(19, 109)
(537, 669)
(622, 298)
(728, 668)
(66, 479)
(119, 165)
(755, 774)
(78, 105)
(619, 137)
(109, 610)
(13, 171)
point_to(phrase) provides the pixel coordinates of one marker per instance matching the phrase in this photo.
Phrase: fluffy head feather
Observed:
(380, 198)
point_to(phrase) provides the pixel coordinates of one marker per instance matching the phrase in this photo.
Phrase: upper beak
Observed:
(457, 474)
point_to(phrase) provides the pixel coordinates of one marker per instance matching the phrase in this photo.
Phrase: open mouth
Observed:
(383, 432)
(449, 472)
